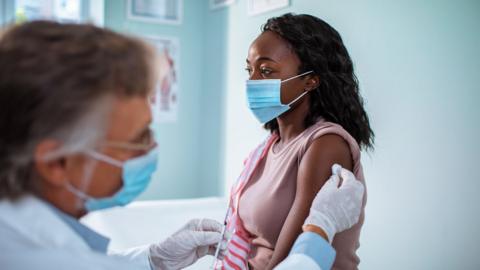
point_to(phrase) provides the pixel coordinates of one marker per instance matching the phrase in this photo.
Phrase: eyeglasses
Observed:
(131, 146)
(145, 143)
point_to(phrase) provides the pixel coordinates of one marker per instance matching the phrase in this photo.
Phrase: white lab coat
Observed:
(34, 237)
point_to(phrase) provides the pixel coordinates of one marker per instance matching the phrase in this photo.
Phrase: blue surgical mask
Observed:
(264, 98)
(136, 175)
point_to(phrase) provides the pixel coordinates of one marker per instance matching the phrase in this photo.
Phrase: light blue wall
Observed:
(6, 11)
(419, 67)
(2, 12)
(212, 100)
(179, 170)
(191, 158)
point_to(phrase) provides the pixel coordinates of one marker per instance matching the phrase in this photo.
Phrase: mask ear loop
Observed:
(105, 158)
(297, 76)
(88, 172)
(77, 193)
(304, 93)
(298, 98)
(86, 179)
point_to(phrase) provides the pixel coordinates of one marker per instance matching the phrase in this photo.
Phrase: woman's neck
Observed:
(291, 123)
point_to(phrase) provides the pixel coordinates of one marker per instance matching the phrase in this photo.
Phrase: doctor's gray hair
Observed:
(56, 81)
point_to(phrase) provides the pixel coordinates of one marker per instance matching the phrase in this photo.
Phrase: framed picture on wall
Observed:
(68, 11)
(256, 7)
(155, 11)
(217, 4)
(65, 11)
(165, 99)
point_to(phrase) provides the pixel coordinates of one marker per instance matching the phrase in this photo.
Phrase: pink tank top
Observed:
(269, 195)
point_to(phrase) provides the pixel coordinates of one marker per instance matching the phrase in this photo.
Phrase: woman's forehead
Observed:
(272, 46)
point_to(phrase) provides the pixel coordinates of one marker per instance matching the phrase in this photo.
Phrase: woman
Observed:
(316, 118)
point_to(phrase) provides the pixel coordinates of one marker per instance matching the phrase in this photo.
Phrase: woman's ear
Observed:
(312, 82)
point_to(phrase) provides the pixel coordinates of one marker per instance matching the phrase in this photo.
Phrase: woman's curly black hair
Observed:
(320, 48)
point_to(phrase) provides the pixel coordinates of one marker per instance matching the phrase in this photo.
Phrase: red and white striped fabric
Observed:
(238, 246)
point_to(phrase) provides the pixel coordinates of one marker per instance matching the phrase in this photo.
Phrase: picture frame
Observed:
(155, 11)
(165, 100)
(256, 7)
(63, 11)
(218, 4)
(67, 11)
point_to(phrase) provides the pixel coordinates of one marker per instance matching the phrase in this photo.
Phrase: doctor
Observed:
(75, 138)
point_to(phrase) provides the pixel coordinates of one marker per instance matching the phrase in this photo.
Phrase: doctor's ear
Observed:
(51, 169)
(312, 82)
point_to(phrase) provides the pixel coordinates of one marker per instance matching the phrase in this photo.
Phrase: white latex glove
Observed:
(195, 240)
(335, 208)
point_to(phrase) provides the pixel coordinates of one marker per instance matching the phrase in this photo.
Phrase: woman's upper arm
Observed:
(313, 172)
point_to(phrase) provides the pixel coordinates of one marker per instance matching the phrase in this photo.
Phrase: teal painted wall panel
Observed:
(178, 170)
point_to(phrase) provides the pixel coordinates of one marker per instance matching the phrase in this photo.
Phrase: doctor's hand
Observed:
(337, 205)
(195, 240)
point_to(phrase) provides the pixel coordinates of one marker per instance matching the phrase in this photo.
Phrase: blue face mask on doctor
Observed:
(136, 175)
(264, 97)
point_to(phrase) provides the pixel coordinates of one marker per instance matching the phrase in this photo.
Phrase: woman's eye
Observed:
(266, 71)
(248, 69)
